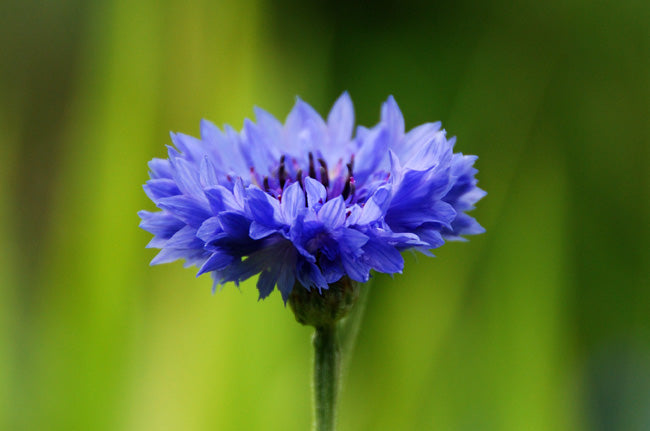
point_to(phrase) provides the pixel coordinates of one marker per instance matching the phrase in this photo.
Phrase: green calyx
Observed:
(325, 308)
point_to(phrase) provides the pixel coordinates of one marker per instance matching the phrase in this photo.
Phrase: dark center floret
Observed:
(316, 169)
(324, 176)
(349, 188)
(312, 167)
(282, 173)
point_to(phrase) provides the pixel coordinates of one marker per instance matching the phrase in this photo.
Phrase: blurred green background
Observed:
(540, 324)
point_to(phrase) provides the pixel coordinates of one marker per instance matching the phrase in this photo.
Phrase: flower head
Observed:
(306, 201)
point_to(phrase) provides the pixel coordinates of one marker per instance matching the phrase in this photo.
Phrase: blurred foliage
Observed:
(542, 323)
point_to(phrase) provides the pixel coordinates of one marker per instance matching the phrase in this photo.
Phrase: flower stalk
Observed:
(327, 361)
(324, 311)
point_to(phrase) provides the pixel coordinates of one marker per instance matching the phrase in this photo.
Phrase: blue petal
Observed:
(214, 140)
(239, 193)
(301, 232)
(414, 140)
(286, 278)
(191, 147)
(263, 208)
(157, 242)
(258, 151)
(160, 223)
(195, 257)
(160, 168)
(437, 151)
(372, 153)
(382, 257)
(340, 120)
(266, 281)
(396, 170)
(444, 213)
(221, 199)
(430, 233)
(208, 174)
(187, 178)
(276, 260)
(305, 129)
(414, 216)
(375, 207)
(161, 188)
(184, 239)
(316, 192)
(186, 208)
(340, 123)
(468, 200)
(399, 240)
(332, 214)
(332, 270)
(352, 240)
(310, 276)
(393, 118)
(463, 225)
(353, 215)
(259, 231)
(234, 224)
(225, 147)
(233, 151)
(168, 255)
(209, 229)
(350, 245)
(269, 125)
(271, 252)
(216, 262)
(293, 201)
(412, 189)
(357, 270)
(416, 200)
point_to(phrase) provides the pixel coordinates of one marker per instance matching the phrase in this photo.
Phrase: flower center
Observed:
(317, 169)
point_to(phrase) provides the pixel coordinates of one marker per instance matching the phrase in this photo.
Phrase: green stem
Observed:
(326, 377)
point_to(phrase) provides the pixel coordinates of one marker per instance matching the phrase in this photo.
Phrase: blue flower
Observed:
(306, 201)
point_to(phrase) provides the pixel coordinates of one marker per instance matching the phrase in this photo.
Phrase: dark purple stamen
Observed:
(266, 183)
(348, 189)
(324, 177)
(282, 174)
(299, 179)
(312, 167)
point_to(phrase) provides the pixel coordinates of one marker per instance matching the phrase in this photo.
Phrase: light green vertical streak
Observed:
(474, 373)
(7, 273)
(224, 361)
(94, 274)
(526, 344)
(184, 366)
(515, 352)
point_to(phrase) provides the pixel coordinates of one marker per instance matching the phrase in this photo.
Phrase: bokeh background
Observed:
(540, 324)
